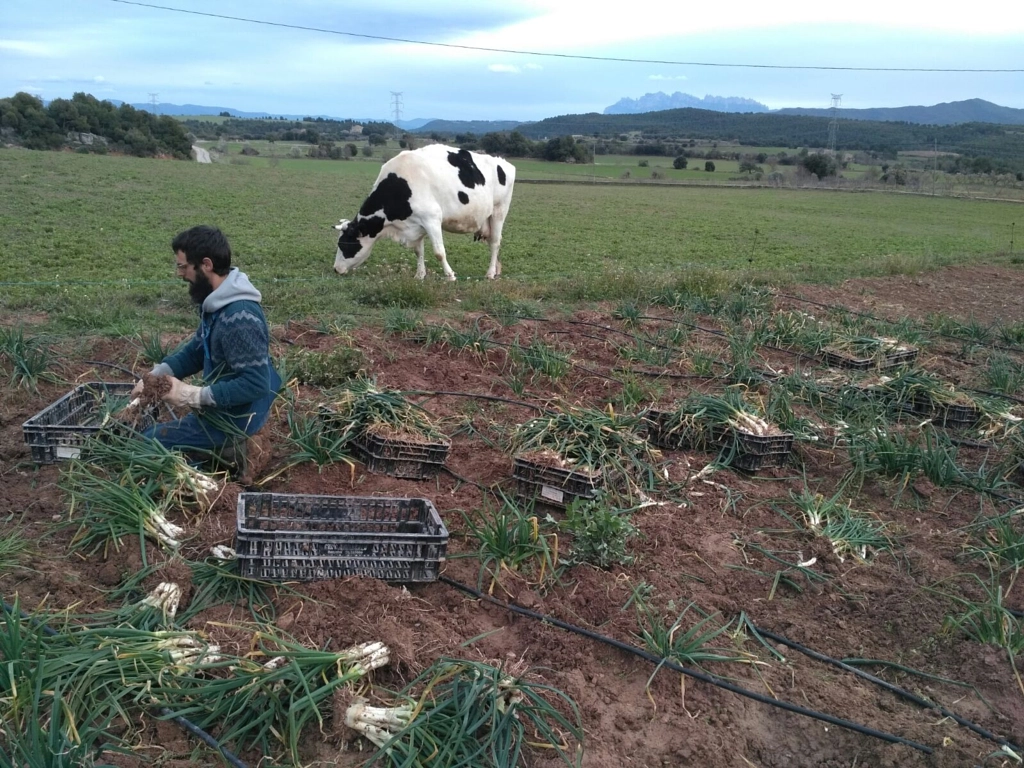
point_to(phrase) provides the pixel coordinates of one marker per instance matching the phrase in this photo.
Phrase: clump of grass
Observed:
(990, 621)
(152, 349)
(27, 359)
(540, 358)
(629, 312)
(635, 391)
(399, 321)
(510, 538)
(14, 548)
(687, 639)
(325, 369)
(658, 355)
(600, 533)
(1003, 541)
(1004, 374)
(471, 713)
(316, 440)
(398, 291)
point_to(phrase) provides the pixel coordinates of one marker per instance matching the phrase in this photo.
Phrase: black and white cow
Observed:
(420, 192)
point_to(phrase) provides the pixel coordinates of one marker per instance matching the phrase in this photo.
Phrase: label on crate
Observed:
(547, 492)
(68, 451)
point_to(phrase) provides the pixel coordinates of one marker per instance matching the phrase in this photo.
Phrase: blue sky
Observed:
(114, 50)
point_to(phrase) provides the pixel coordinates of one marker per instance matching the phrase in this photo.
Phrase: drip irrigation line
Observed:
(715, 681)
(479, 397)
(187, 725)
(114, 366)
(1002, 395)
(921, 702)
(668, 375)
(886, 320)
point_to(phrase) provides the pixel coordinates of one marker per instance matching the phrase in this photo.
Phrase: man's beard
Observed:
(200, 288)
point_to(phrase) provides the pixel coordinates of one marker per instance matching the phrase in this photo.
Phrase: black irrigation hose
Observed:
(129, 371)
(476, 396)
(690, 672)
(188, 725)
(890, 687)
(885, 320)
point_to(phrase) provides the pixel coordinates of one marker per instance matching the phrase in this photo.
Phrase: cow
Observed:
(418, 193)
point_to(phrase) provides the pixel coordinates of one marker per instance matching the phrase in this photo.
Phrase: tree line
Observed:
(24, 119)
(1002, 145)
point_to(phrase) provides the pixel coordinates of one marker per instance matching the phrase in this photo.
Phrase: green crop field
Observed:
(86, 237)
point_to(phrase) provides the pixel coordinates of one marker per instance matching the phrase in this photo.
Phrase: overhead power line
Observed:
(548, 55)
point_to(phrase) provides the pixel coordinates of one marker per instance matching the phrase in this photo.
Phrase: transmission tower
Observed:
(396, 106)
(837, 101)
(152, 100)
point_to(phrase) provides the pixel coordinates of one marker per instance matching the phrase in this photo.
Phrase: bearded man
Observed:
(230, 348)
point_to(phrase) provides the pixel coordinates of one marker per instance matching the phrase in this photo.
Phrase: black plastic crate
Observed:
(293, 537)
(554, 486)
(400, 458)
(58, 432)
(682, 437)
(752, 452)
(957, 415)
(883, 362)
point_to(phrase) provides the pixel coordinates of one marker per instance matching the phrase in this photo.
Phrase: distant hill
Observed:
(947, 113)
(656, 102)
(470, 126)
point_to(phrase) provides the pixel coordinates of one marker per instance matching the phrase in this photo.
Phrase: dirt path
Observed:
(202, 156)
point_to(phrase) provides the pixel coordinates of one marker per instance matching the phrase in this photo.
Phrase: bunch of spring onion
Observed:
(216, 581)
(702, 419)
(105, 674)
(866, 347)
(155, 611)
(106, 509)
(921, 390)
(148, 463)
(592, 442)
(851, 533)
(361, 408)
(470, 714)
(262, 701)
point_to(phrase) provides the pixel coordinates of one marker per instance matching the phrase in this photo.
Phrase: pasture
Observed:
(889, 535)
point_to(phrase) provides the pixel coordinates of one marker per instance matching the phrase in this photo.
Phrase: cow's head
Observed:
(353, 247)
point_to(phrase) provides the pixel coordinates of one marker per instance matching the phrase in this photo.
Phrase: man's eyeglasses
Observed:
(180, 267)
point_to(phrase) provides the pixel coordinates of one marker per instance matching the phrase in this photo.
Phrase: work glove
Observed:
(137, 389)
(182, 395)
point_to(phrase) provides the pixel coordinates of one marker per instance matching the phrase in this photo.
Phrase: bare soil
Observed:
(695, 547)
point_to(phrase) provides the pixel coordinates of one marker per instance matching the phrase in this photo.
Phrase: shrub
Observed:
(709, 166)
(599, 533)
(679, 163)
(324, 369)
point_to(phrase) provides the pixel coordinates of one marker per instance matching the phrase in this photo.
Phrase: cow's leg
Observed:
(497, 223)
(434, 233)
(421, 267)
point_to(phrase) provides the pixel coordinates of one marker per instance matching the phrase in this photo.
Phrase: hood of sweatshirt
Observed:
(236, 287)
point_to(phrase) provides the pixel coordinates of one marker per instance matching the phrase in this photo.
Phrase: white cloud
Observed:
(99, 79)
(667, 77)
(510, 68)
(27, 48)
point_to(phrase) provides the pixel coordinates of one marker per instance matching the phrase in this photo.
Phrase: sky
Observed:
(125, 51)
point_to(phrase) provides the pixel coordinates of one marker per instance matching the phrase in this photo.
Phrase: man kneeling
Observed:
(231, 348)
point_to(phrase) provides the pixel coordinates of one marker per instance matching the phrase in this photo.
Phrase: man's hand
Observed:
(182, 395)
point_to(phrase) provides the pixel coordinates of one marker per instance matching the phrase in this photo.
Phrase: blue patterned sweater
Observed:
(231, 347)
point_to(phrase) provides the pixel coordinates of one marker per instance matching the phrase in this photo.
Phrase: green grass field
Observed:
(86, 238)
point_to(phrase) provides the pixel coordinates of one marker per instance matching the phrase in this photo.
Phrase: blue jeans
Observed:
(202, 434)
